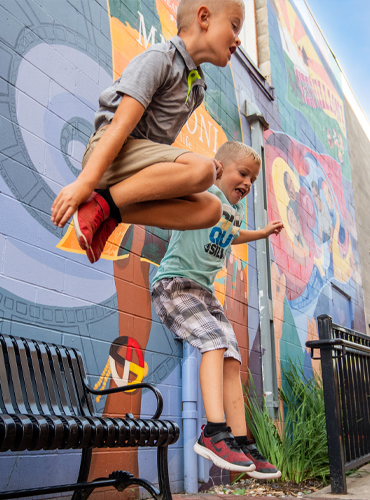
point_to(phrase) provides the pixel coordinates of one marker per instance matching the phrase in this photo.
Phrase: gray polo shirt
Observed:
(165, 80)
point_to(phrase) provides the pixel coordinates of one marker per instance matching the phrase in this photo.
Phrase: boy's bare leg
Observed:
(235, 418)
(190, 173)
(211, 384)
(233, 397)
(218, 445)
(193, 212)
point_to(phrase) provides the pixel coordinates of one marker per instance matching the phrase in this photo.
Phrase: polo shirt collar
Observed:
(180, 46)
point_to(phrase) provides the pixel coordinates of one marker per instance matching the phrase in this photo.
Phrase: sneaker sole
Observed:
(264, 475)
(90, 255)
(220, 462)
(82, 241)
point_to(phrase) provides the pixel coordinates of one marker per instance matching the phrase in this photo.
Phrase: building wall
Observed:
(316, 268)
(359, 153)
(56, 59)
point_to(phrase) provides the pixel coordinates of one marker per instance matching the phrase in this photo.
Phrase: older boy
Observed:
(183, 297)
(140, 178)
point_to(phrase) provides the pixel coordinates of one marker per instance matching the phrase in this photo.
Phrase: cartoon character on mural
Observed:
(309, 187)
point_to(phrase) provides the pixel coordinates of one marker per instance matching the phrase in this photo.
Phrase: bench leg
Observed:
(163, 479)
(120, 480)
(83, 475)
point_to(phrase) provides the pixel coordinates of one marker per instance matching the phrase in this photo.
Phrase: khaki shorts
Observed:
(135, 155)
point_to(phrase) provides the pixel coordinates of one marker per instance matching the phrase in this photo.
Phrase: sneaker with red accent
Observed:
(223, 451)
(88, 218)
(100, 239)
(263, 470)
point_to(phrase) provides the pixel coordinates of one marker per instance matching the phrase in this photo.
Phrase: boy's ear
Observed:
(203, 15)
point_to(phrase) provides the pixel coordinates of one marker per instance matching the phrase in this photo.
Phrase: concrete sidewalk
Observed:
(358, 487)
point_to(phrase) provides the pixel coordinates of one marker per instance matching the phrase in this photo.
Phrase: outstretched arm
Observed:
(70, 197)
(245, 236)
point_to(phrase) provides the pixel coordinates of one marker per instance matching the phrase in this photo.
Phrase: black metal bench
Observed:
(345, 366)
(46, 404)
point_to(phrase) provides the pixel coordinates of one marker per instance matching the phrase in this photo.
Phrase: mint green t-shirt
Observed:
(200, 254)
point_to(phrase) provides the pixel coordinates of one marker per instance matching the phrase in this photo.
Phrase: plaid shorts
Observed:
(194, 314)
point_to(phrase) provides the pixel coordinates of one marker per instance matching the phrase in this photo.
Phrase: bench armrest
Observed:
(132, 387)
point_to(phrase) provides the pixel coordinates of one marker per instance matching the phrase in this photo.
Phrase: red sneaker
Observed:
(100, 238)
(223, 451)
(264, 470)
(88, 217)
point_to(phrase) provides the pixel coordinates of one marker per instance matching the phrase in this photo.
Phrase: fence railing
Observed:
(345, 366)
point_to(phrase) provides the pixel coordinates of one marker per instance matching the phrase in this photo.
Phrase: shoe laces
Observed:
(97, 220)
(233, 445)
(255, 453)
(98, 216)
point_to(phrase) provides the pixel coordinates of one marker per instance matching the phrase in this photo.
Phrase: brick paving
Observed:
(208, 496)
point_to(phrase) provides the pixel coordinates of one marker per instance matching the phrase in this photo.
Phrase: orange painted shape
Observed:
(167, 10)
(69, 243)
(299, 32)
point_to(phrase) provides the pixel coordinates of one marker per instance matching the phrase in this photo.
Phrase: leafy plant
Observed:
(300, 447)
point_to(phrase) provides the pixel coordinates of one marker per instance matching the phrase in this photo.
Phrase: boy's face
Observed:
(237, 179)
(223, 33)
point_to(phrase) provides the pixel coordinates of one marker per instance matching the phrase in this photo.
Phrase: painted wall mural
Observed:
(316, 261)
(56, 59)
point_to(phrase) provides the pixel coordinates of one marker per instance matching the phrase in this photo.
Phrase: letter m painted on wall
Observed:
(142, 32)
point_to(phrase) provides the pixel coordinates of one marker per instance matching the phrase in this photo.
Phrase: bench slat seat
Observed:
(46, 404)
(35, 432)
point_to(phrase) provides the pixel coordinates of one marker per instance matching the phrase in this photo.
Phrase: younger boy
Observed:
(141, 178)
(183, 297)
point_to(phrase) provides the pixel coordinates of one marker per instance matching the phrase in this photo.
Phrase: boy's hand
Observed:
(67, 202)
(219, 169)
(274, 227)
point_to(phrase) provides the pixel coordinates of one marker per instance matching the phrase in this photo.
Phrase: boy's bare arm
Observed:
(245, 236)
(70, 197)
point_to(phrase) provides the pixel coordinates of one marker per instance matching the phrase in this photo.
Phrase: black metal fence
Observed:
(345, 365)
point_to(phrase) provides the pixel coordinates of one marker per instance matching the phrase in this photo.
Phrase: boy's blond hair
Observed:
(187, 9)
(234, 150)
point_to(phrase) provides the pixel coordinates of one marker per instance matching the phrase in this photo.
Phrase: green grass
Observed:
(301, 451)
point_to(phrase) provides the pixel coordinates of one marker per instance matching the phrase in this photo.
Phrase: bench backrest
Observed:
(41, 379)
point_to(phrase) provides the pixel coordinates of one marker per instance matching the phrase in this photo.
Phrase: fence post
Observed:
(333, 413)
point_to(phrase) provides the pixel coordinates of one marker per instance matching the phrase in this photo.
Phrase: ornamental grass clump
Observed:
(296, 443)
